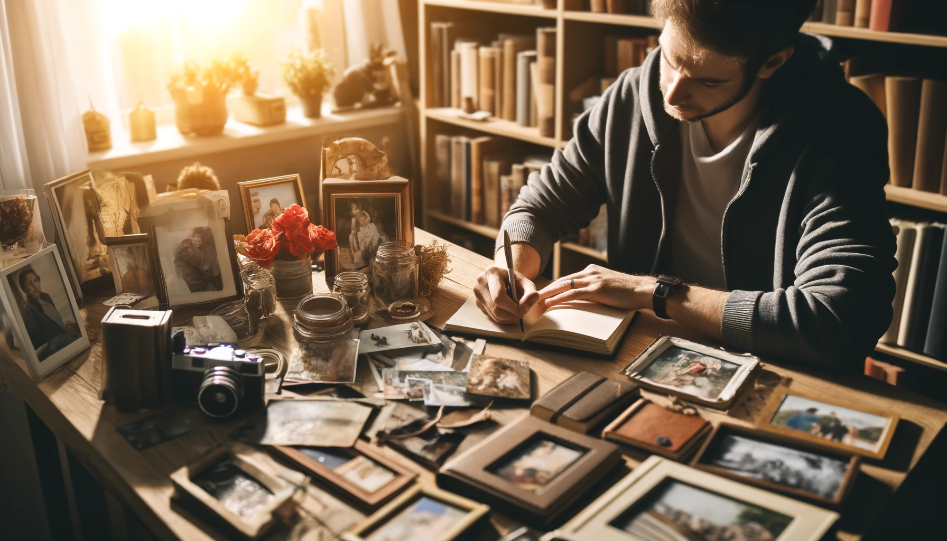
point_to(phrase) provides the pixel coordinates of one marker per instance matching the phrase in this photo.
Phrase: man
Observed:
(45, 326)
(737, 159)
(256, 205)
(806, 421)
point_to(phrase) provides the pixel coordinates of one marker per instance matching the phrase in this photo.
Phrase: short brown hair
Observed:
(752, 30)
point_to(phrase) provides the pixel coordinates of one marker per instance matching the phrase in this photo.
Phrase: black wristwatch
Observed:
(666, 284)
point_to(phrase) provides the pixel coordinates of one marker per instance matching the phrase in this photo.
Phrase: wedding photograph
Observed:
(537, 464)
(362, 224)
(690, 372)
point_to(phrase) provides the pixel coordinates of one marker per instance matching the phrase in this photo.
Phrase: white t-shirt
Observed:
(710, 181)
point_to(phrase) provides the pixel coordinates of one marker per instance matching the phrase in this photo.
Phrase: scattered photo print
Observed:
(690, 372)
(536, 465)
(39, 292)
(676, 510)
(362, 225)
(396, 337)
(394, 380)
(414, 388)
(835, 423)
(426, 518)
(313, 362)
(237, 491)
(319, 423)
(430, 448)
(267, 202)
(499, 377)
(358, 469)
(448, 395)
(155, 429)
(818, 474)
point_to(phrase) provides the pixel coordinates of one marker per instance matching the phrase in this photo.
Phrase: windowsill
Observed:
(171, 145)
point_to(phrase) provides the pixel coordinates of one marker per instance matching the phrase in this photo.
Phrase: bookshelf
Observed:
(905, 355)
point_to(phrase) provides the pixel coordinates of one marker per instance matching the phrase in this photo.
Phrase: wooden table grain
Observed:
(69, 402)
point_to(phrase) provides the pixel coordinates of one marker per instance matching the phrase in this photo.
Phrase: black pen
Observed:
(510, 275)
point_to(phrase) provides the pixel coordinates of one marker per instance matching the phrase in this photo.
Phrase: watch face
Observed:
(669, 280)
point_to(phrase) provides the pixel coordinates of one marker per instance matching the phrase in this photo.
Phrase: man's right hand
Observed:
(492, 297)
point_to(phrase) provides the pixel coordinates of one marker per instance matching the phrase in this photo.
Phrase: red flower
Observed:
(299, 235)
(262, 246)
(293, 219)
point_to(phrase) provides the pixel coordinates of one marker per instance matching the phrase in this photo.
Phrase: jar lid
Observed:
(351, 279)
(323, 316)
(396, 250)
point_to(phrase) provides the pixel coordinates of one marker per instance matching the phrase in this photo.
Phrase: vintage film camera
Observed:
(222, 380)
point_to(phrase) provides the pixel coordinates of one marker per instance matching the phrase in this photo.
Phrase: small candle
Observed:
(141, 122)
(97, 132)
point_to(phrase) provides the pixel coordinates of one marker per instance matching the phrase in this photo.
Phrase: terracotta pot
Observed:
(312, 105)
(205, 118)
(293, 277)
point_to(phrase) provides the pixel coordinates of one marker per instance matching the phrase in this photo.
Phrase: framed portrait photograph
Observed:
(661, 497)
(701, 374)
(72, 200)
(364, 214)
(531, 468)
(419, 513)
(236, 486)
(779, 463)
(830, 422)
(133, 264)
(362, 473)
(265, 199)
(40, 308)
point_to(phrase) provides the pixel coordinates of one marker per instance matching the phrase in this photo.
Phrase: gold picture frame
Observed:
(267, 191)
(402, 505)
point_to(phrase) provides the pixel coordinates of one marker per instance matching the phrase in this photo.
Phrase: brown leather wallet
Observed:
(584, 400)
(658, 430)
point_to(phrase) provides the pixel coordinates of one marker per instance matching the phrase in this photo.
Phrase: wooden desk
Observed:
(68, 402)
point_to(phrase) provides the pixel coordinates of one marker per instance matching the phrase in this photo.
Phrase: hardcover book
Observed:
(936, 343)
(521, 103)
(546, 75)
(584, 400)
(906, 235)
(924, 288)
(512, 46)
(910, 287)
(931, 136)
(903, 97)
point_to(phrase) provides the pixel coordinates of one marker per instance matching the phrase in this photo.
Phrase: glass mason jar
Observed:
(354, 288)
(259, 291)
(323, 317)
(395, 272)
(293, 277)
(238, 317)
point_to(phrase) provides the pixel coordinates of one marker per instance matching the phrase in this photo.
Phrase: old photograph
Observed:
(499, 377)
(319, 423)
(313, 362)
(85, 245)
(132, 269)
(817, 474)
(834, 423)
(362, 225)
(414, 388)
(360, 470)
(448, 395)
(676, 510)
(396, 337)
(690, 372)
(537, 464)
(236, 490)
(268, 201)
(394, 381)
(425, 518)
(50, 321)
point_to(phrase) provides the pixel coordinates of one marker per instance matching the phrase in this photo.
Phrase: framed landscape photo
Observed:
(419, 513)
(40, 308)
(698, 373)
(364, 214)
(265, 199)
(132, 261)
(662, 499)
(830, 422)
(779, 463)
(362, 473)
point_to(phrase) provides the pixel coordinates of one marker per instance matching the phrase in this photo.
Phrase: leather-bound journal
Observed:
(584, 400)
(657, 430)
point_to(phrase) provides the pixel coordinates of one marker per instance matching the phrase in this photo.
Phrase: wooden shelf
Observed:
(585, 250)
(906, 355)
(874, 35)
(916, 198)
(491, 125)
(639, 21)
(485, 230)
(495, 7)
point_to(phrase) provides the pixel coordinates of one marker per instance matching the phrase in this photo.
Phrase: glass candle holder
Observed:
(323, 317)
(16, 217)
(260, 291)
(395, 272)
(354, 288)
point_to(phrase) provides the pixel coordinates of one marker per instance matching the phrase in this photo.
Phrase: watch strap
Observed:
(659, 300)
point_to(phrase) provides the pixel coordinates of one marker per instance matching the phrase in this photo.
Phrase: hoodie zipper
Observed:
(723, 230)
(654, 178)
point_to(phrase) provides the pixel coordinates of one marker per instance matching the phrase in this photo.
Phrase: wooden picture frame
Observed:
(859, 414)
(396, 217)
(272, 189)
(140, 240)
(27, 321)
(674, 382)
(240, 456)
(611, 516)
(394, 509)
(403, 475)
(721, 431)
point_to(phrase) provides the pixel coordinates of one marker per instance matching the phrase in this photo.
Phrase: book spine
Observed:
(943, 173)
(455, 79)
(903, 104)
(829, 8)
(437, 67)
(447, 45)
(927, 280)
(874, 86)
(498, 82)
(936, 344)
(546, 75)
(598, 6)
(511, 49)
(506, 194)
(618, 6)
(862, 13)
(477, 147)
(910, 288)
(467, 184)
(845, 13)
(931, 136)
(905, 250)
(487, 71)
(442, 147)
(521, 102)
(519, 174)
(816, 15)
(886, 15)
(469, 70)
(458, 190)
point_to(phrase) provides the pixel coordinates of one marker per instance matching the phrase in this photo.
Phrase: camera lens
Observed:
(221, 392)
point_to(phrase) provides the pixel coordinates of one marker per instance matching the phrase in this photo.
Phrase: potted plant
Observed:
(200, 98)
(308, 76)
(287, 249)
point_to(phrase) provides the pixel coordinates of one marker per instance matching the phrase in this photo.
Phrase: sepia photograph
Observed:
(407, 335)
(264, 200)
(448, 395)
(156, 429)
(362, 224)
(319, 423)
(430, 448)
(690, 372)
(817, 474)
(426, 518)
(833, 423)
(131, 261)
(360, 470)
(414, 388)
(236, 490)
(537, 464)
(679, 511)
(499, 377)
(394, 381)
(313, 362)
(73, 202)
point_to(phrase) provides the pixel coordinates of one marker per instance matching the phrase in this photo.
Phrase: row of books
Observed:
(512, 78)
(920, 304)
(621, 7)
(479, 178)
(919, 16)
(916, 110)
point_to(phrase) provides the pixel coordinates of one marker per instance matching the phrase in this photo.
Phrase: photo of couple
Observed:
(362, 225)
(831, 422)
(268, 201)
(195, 261)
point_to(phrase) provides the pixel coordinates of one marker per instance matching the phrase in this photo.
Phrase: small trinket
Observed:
(404, 310)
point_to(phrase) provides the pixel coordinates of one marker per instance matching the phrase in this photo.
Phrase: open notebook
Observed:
(581, 325)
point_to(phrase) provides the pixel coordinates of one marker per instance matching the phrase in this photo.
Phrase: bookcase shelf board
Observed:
(494, 126)
(916, 198)
(638, 21)
(906, 355)
(585, 250)
(485, 230)
(496, 7)
(836, 31)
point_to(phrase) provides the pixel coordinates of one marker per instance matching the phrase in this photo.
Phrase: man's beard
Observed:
(736, 98)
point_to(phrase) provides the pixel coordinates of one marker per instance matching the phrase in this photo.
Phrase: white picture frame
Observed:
(56, 297)
(735, 367)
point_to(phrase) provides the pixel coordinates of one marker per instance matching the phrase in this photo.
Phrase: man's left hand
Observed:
(598, 284)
